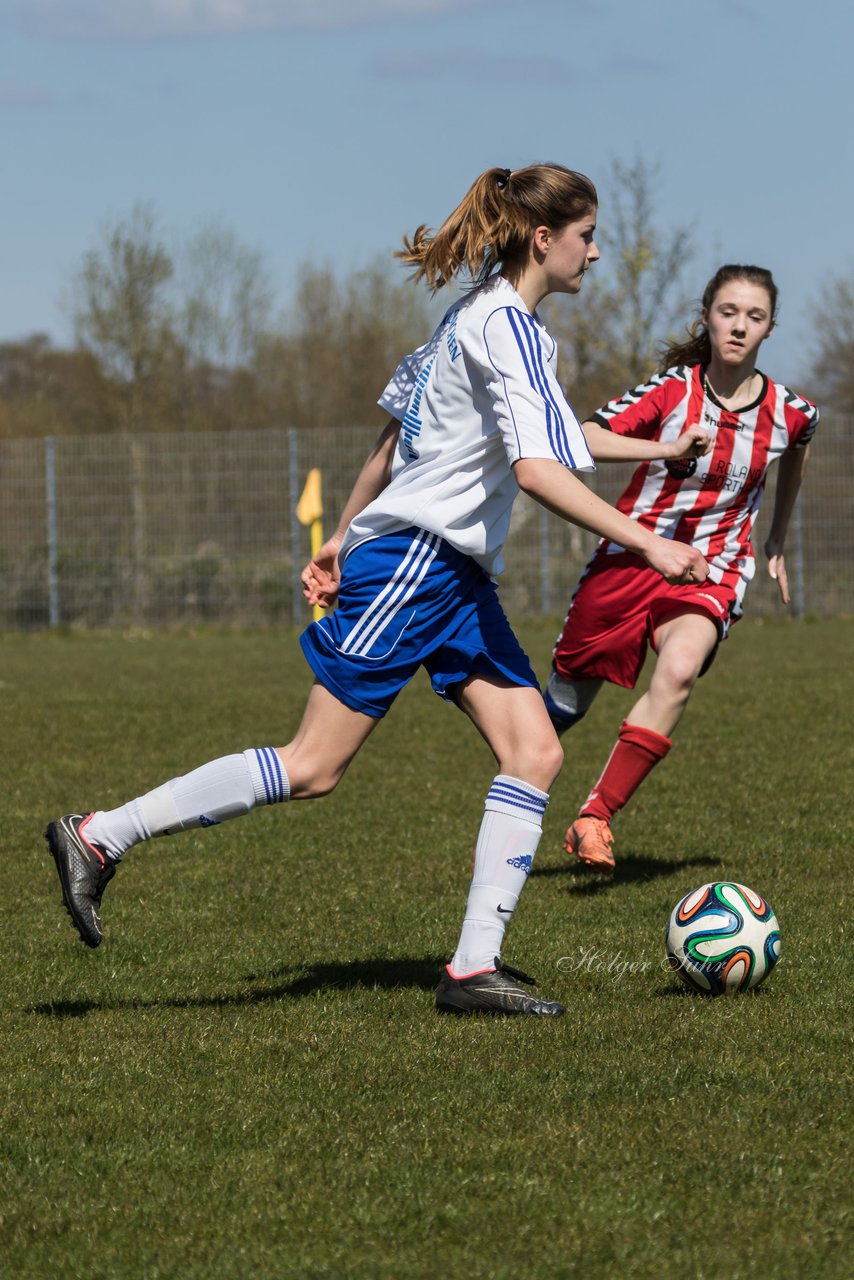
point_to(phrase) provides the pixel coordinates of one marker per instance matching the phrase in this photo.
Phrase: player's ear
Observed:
(541, 239)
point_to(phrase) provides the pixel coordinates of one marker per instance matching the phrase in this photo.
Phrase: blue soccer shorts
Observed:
(407, 600)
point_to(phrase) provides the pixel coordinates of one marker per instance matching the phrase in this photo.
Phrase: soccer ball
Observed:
(722, 937)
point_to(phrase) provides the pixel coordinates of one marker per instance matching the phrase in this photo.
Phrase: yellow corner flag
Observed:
(310, 505)
(310, 512)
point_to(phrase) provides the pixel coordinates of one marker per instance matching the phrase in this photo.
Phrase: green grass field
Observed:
(248, 1079)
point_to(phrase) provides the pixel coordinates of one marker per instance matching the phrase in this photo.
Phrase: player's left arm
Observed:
(321, 576)
(609, 446)
(789, 476)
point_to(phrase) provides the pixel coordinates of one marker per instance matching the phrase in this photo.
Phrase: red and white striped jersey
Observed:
(710, 502)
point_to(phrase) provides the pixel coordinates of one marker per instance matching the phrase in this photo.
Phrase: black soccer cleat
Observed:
(493, 992)
(84, 873)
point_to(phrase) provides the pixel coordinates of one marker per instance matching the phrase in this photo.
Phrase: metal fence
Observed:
(177, 529)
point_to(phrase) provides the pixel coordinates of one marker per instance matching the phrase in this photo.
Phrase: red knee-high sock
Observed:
(636, 753)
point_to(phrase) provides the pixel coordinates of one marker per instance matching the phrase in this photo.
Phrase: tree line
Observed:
(184, 337)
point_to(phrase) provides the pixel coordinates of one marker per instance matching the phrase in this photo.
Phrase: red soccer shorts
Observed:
(616, 608)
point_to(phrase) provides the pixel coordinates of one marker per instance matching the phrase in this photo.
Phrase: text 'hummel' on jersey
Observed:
(712, 501)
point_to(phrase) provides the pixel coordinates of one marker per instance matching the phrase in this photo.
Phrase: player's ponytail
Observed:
(697, 347)
(493, 224)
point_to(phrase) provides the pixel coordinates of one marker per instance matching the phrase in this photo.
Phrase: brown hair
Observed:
(697, 348)
(494, 222)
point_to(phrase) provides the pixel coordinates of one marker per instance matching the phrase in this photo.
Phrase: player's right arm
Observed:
(628, 428)
(608, 446)
(555, 487)
(545, 444)
(321, 576)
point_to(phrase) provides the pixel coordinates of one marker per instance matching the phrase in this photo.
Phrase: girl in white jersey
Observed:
(710, 381)
(475, 415)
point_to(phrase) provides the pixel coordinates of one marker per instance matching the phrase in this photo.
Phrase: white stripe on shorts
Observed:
(394, 595)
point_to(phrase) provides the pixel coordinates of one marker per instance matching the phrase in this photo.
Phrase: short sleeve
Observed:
(640, 412)
(396, 396)
(395, 399)
(533, 414)
(803, 422)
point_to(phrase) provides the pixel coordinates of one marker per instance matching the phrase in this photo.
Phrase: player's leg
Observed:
(359, 671)
(683, 643)
(605, 637)
(329, 736)
(514, 722)
(86, 848)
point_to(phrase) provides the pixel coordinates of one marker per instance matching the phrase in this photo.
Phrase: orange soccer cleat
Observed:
(590, 839)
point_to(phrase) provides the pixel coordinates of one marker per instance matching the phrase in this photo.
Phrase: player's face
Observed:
(738, 321)
(569, 253)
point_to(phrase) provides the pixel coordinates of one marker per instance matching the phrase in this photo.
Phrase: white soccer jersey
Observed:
(480, 395)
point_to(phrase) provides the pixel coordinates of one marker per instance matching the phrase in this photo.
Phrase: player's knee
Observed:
(539, 761)
(568, 701)
(563, 720)
(537, 758)
(682, 671)
(552, 761)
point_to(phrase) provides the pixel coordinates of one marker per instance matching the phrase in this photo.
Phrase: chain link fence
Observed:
(180, 529)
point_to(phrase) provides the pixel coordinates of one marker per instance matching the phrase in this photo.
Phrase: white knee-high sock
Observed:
(213, 793)
(509, 834)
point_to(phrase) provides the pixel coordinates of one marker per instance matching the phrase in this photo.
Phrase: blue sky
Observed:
(322, 130)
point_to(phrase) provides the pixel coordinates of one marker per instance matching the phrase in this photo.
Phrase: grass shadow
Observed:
(631, 868)
(682, 991)
(419, 972)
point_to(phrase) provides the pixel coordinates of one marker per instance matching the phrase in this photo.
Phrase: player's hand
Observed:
(694, 442)
(777, 569)
(677, 562)
(321, 577)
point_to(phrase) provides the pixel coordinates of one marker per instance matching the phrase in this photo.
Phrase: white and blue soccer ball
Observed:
(722, 937)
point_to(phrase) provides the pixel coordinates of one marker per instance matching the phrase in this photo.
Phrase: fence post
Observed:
(52, 538)
(140, 565)
(293, 499)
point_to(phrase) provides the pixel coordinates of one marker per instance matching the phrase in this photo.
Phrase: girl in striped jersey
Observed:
(474, 416)
(709, 502)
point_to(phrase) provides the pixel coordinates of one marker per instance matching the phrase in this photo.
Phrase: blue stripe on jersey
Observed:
(559, 438)
(394, 595)
(518, 796)
(271, 773)
(530, 346)
(524, 344)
